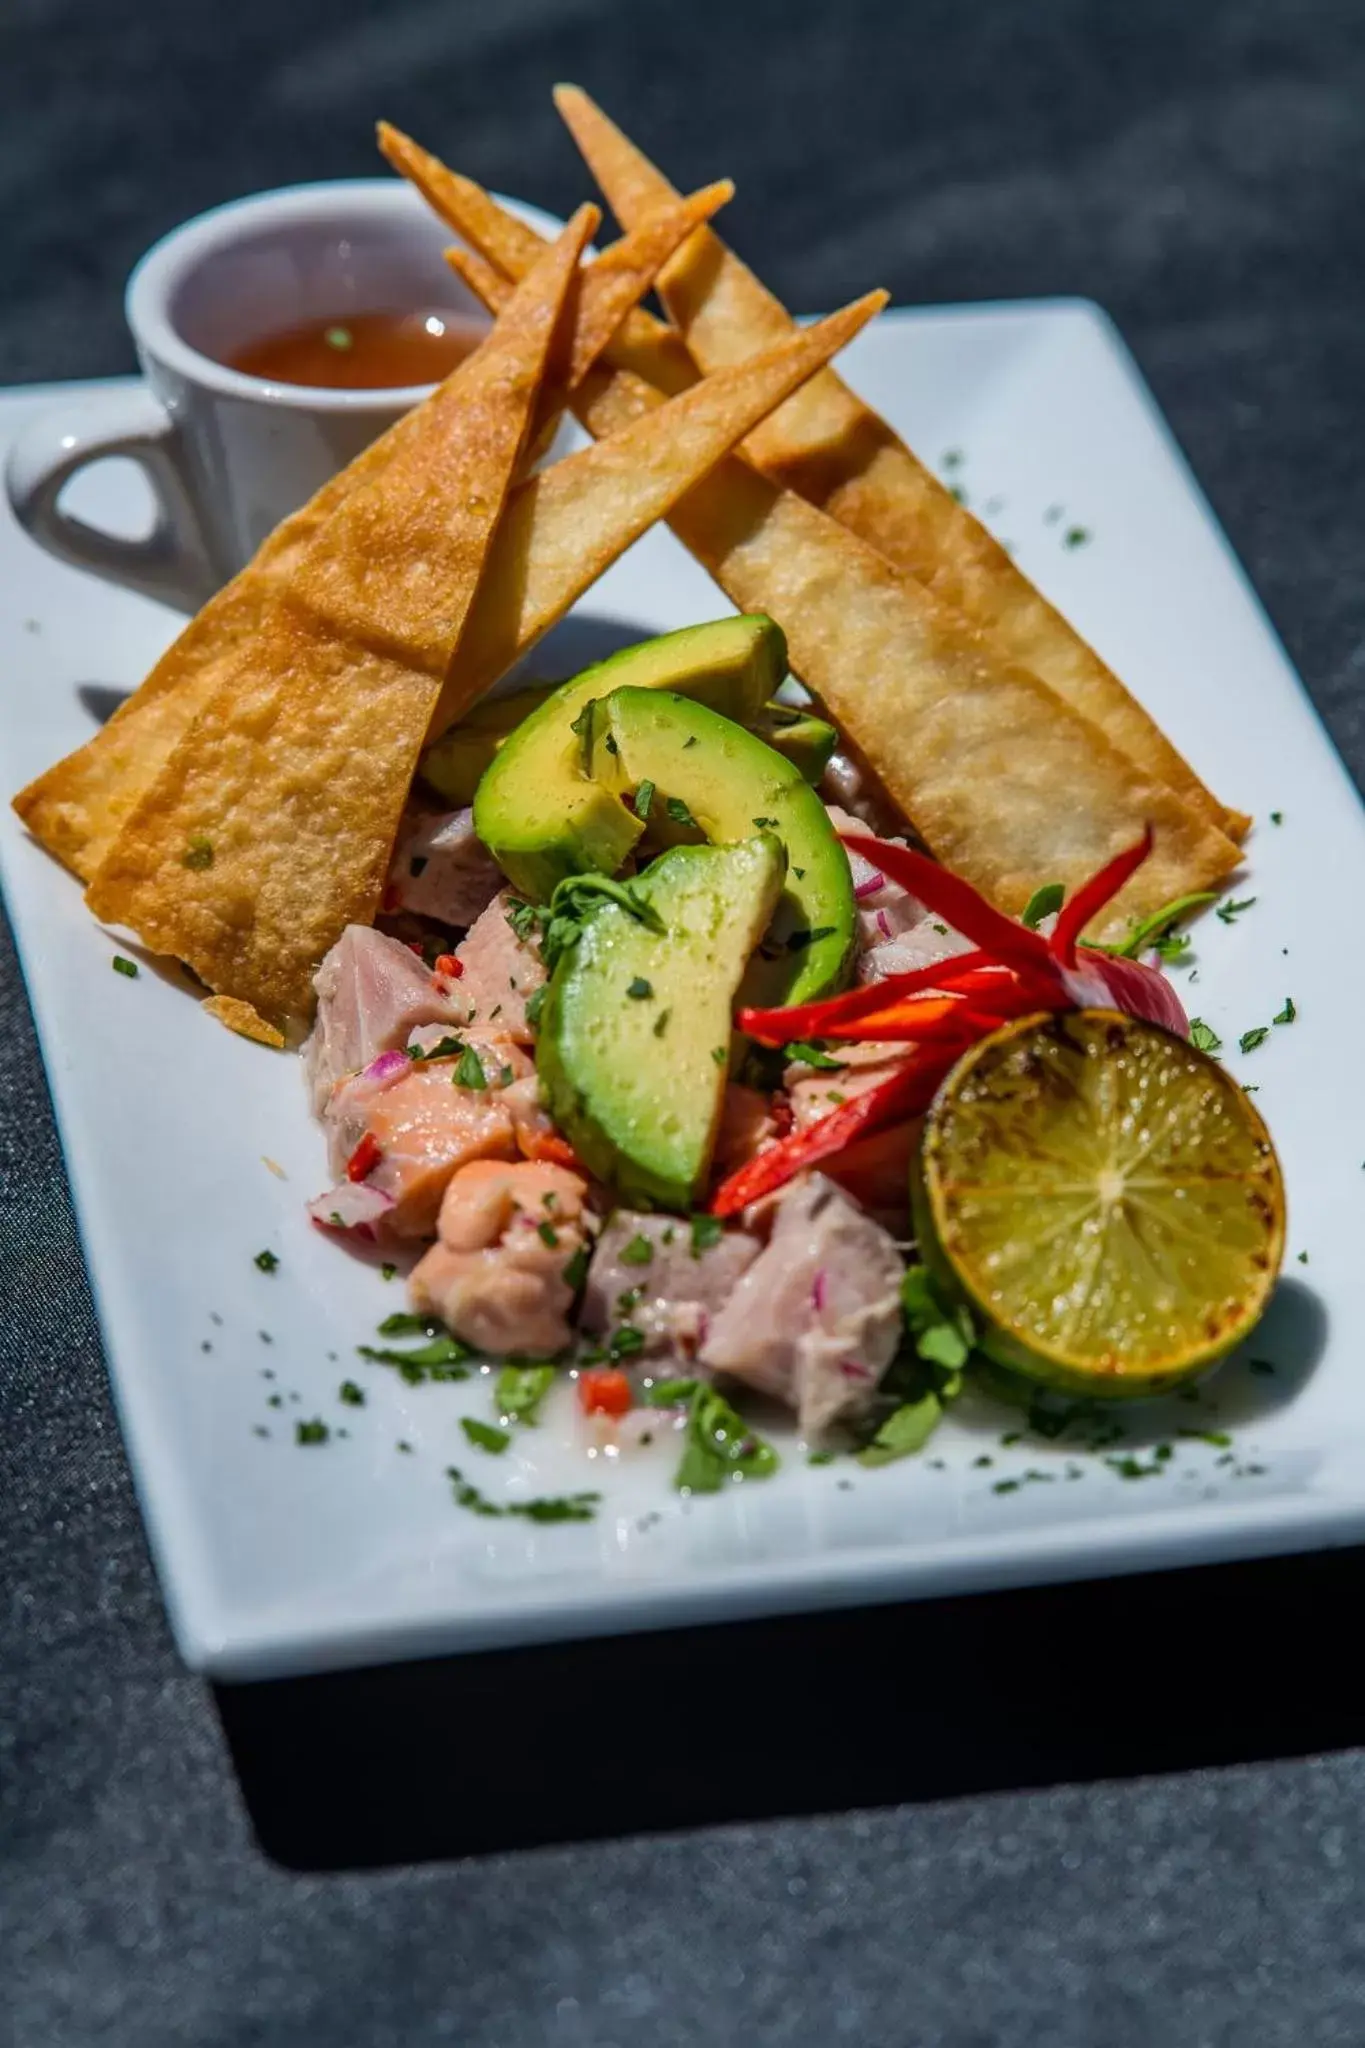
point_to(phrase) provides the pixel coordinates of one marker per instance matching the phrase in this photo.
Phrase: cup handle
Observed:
(171, 563)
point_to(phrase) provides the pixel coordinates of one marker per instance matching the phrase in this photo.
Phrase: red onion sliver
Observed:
(387, 1063)
(817, 1291)
(874, 882)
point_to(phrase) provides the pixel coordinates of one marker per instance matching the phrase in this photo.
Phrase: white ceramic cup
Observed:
(229, 455)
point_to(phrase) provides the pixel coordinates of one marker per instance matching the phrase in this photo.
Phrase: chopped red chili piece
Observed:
(447, 964)
(905, 1093)
(1090, 899)
(365, 1158)
(604, 1391)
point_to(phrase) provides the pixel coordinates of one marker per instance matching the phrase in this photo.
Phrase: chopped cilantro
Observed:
(798, 941)
(612, 747)
(576, 1271)
(678, 811)
(639, 1252)
(639, 989)
(402, 1324)
(485, 1434)
(524, 918)
(505, 1077)
(720, 1054)
(568, 1507)
(534, 1005)
(1045, 901)
(691, 742)
(625, 1342)
(388, 1270)
(1302, 1258)
(547, 1234)
(644, 799)
(1277, 817)
(1232, 909)
(582, 725)
(1156, 929)
(661, 1023)
(198, 852)
(720, 1447)
(1203, 1037)
(469, 1071)
(953, 458)
(907, 1429)
(122, 966)
(314, 1432)
(629, 1301)
(1258, 1035)
(267, 1261)
(441, 1359)
(706, 1232)
(802, 1053)
(821, 1457)
(670, 1393)
(519, 1390)
(351, 1394)
(800, 874)
(1287, 1014)
(765, 824)
(444, 1049)
(1076, 537)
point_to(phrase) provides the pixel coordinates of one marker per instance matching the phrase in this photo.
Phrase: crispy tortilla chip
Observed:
(270, 827)
(79, 806)
(564, 527)
(1007, 784)
(826, 444)
(241, 1018)
(642, 343)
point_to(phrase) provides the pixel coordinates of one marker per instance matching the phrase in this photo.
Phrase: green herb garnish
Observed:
(524, 918)
(266, 1261)
(1227, 912)
(1287, 1014)
(678, 811)
(444, 1049)
(802, 1053)
(1045, 901)
(351, 1394)
(706, 1232)
(535, 1003)
(720, 1447)
(568, 1507)
(907, 1429)
(1076, 537)
(547, 1234)
(766, 824)
(444, 1358)
(639, 1252)
(519, 1390)
(1258, 1035)
(625, 1342)
(122, 966)
(644, 798)
(469, 1071)
(314, 1432)
(639, 989)
(485, 1434)
(798, 941)
(1203, 1037)
(576, 1271)
(198, 852)
(1156, 931)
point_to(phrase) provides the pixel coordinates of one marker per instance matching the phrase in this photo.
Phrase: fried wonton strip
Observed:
(270, 827)
(835, 451)
(78, 807)
(1004, 781)
(641, 343)
(565, 526)
(241, 1018)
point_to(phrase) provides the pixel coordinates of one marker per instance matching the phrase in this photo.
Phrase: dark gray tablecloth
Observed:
(1086, 1817)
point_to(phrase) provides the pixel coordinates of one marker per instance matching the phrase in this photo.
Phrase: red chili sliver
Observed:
(905, 1093)
(447, 964)
(604, 1391)
(365, 1158)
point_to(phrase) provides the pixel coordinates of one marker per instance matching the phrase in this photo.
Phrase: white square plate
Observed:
(279, 1558)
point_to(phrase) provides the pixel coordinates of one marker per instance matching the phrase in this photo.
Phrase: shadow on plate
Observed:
(101, 700)
(817, 1713)
(575, 643)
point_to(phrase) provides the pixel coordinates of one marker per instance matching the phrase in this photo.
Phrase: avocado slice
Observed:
(454, 764)
(692, 774)
(800, 737)
(634, 1039)
(537, 811)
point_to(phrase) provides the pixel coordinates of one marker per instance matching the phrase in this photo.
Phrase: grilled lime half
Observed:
(1104, 1197)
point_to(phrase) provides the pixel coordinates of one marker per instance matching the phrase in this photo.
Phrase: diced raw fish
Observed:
(423, 1129)
(351, 1206)
(816, 1318)
(746, 1125)
(675, 1289)
(372, 993)
(500, 972)
(496, 1275)
(441, 870)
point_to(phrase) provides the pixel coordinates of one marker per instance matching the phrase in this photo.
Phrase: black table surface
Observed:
(1127, 1813)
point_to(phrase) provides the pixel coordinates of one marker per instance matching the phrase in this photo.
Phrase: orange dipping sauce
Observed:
(364, 351)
